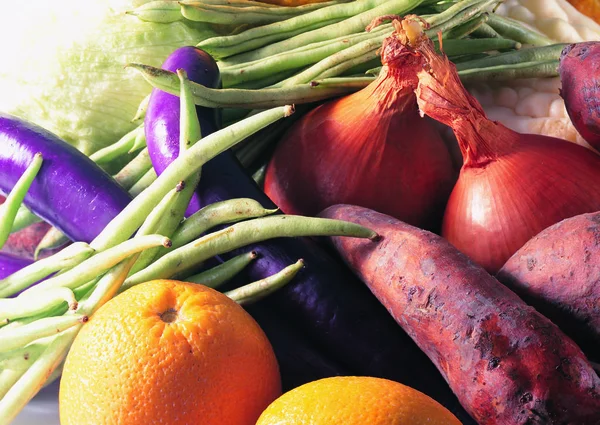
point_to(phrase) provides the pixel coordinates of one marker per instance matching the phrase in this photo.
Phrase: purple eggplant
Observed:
(162, 115)
(11, 263)
(70, 191)
(329, 304)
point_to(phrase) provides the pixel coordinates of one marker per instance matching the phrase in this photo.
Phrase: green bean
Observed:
(271, 81)
(99, 263)
(8, 377)
(162, 212)
(255, 291)
(134, 170)
(241, 234)
(218, 275)
(22, 358)
(125, 145)
(143, 183)
(476, 45)
(350, 64)
(457, 9)
(255, 15)
(366, 49)
(468, 57)
(189, 162)
(215, 214)
(35, 303)
(511, 72)
(10, 207)
(518, 31)
(69, 257)
(172, 211)
(239, 98)
(465, 29)
(19, 337)
(53, 239)
(485, 31)
(374, 71)
(297, 58)
(227, 46)
(23, 219)
(530, 54)
(239, 62)
(140, 113)
(162, 12)
(239, 3)
(466, 15)
(33, 379)
(350, 10)
(189, 126)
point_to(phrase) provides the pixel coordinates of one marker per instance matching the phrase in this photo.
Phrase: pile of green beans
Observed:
(149, 239)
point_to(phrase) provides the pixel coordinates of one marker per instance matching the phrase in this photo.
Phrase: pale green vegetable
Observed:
(63, 63)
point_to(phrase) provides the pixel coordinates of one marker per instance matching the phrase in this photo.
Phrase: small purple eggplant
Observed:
(70, 191)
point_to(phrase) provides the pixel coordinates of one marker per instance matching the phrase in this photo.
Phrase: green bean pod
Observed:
(215, 214)
(134, 170)
(21, 358)
(24, 218)
(142, 184)
(225, 14)
(218, 275)
(13, 339)
(34, 378)
(69, 257)
(163, 12)
(240, 98)
(186, 164)
(518, 31)
(530, 54)
(36, 303)
(256, 291)
(346, 11)
(140, 113)
(100, 263)
(53, 239)
(124, 145)
(510, 72)
(10, 207)
(241, 234)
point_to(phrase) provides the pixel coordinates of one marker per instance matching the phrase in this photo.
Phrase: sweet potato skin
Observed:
(578, 70)
(558, 273)
(508, 364)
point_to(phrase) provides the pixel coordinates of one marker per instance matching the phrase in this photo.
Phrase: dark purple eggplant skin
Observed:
(325, 300)
(70, 191)
(11, 263)
(162, 114)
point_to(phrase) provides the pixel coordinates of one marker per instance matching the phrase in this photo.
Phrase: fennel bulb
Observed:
(62, 64)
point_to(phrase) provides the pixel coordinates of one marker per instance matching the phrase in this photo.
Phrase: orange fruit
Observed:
(168, 352)
(356, 400)
(591, 8)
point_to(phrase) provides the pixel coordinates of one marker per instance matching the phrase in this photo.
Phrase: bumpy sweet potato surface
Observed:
(508, 364)
(558, 272)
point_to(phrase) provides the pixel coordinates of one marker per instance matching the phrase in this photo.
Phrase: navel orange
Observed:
(355, 400)
(167, 352)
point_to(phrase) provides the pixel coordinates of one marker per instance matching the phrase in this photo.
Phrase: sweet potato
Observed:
(558, 273)
(508, 364)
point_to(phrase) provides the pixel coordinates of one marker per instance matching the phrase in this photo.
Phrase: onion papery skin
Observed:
(370, 149)
(495, 209)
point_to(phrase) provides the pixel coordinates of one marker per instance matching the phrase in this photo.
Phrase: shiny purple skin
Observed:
(70, 191)
(325, 300)
(11, 263)
(162, 116)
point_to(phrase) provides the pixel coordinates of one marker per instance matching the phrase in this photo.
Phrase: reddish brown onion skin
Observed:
(508, 364)
(370, 148)
(558, 273)
(579, 71)
(544, 181)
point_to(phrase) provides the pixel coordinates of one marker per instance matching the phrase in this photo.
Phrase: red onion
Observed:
(511, 185)
(370, 149)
